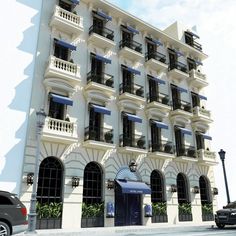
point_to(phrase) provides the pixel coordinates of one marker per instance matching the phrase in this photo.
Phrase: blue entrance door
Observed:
(127, 208)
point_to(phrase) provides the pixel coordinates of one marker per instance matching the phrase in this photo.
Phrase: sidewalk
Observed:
(125, 230)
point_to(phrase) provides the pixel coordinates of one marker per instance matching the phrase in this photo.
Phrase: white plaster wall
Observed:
(19, 23)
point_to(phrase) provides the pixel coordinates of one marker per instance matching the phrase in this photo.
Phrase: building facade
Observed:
(126, 137)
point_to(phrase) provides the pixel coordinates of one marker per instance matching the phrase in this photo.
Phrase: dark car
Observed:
(13, 214)
(226, 216)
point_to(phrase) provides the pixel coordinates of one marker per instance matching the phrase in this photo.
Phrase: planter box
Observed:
(92, 222)
(48, 223)
(185, 217)
(159, 218)
(207, 217)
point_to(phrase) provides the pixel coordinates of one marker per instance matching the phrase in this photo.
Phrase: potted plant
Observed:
(109, 83)
(159, 211)
(168, 148)
(139, 92)
(165, 100)
(185, 212)
(140, 143)
(207, 212)
(187, 108)
(191, 152)
(108, 136)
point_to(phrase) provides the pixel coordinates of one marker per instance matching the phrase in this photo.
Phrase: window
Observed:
(172, 58)
(61, 52)
(151, 50)
(195, 99)
(56, 110)
(156, 137)
(92, 190)
(127, 81)
(157, 187)
(179, 141)
(127, 131)
(5, 201)
(189, 39)
(153, 90)
(204, 190)
(95, 119)
(191, 64)
(182, 188)
(98, 25)
(65, 5)
(97, 68)
(200, 141)
(175, 97)
(127, 38)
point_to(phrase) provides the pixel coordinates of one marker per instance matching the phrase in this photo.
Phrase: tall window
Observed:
(172, 58)
(56, 110)
(61, 52)
(65, 5)
(195, 99)
(204, 190)
(156, 137)
(151, 50)
(127, 81)
(95, 119)
(98, 25)
(179, 141)
(92, 191)
(157, 187)
(153, 90)
(200, 141)
(182, 189)
(191, 64)
(175, 97)
(127, 131)
(127, 38)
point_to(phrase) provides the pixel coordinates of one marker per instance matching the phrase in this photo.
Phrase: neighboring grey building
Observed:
(119, 94)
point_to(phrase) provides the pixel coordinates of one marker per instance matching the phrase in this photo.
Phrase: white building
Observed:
(118, 94)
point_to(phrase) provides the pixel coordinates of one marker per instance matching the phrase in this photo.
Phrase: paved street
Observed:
(144, 231)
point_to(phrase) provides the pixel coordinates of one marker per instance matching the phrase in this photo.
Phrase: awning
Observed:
(160, 124)
(133, 118)
(65, 44)
(202, 97)
(198, 62)
(178, 53)
(155, 41)
(131, 29)
(132, 187)
(75, 2)
(101, 109)
(206, 137)
(105, 16)
(61, 99)
(193, 34)
(185, 131)
(136, 72)
(104, 59)
(159, 81)
(182, 90)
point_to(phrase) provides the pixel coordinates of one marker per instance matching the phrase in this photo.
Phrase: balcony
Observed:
(103, 82)
(202, 115)
(131, 50)
(98, 137)
(163, 149)
(186, 153)
(198, 79)
(62, 131)
(133, 92)
(67, 22)
(178, 71)
(156, 61)
(181, 107)
(206, 157)
(101, 37)
(159, 100)
(133, 144)
(195, 45)
(63, 69)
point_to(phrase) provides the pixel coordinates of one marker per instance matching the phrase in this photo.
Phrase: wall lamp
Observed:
(75, 181)
(110, 184)
(30, 178)
(173, 188)
(132, 166)
(215, 191)
(196, 189)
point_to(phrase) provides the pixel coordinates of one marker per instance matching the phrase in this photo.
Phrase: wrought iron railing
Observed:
(133, 140)
(195, 45)
(179, 66)
(182, 105)
(102, 78)
(131, 44)
(98, 134)
(103, 31)
(186, 150)
(159, 97)
(161, 146)
(155, 55)
(132, 88)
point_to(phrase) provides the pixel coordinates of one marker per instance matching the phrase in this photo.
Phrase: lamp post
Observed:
(32, 212)
(222, 157)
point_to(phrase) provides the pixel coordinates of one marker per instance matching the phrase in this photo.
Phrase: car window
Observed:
(5, 201)
(231, 205)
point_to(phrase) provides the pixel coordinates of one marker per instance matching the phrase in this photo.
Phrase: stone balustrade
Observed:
(195, 73)
(199, 111)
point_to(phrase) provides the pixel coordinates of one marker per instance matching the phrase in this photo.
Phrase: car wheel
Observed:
(4, 229)
(220, 226)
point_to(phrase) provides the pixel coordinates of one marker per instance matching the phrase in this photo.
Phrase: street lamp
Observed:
(222, 157)
(32, 212)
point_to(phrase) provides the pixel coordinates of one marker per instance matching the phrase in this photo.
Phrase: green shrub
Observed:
(185, 208)
(159, 208)
(92, 210)
(207, 209)
(49, 210)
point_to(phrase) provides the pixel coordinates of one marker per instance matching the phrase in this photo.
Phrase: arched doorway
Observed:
(185, 209)
(49, 194)
(159, 208)
(93, 206)
(206, 201)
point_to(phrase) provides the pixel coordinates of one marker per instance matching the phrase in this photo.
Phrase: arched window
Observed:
(92, 191)
(204, 190)
(182, 188)
(157, 187)
(50, 181)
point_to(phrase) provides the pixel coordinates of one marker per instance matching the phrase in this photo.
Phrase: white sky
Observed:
(216, 25)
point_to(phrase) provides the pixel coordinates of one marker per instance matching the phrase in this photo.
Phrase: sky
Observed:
(216, 26)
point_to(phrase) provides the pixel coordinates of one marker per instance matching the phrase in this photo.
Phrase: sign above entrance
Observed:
(133, 187)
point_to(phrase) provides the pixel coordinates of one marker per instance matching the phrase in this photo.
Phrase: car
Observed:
(226, 216)
(13, 214)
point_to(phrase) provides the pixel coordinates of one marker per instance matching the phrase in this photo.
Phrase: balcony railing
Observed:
(131, 44)
(105, 32)
(159, 97)
(182, 105)
(156, 55)
(98, 134)
(103, 78)
(195, 73)
(134, 140)
(195, 45)
(186, 150)
(162, 146)
(206, 154)
(179, 66)
(132, 89)
(199, 111)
